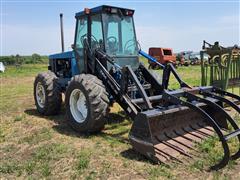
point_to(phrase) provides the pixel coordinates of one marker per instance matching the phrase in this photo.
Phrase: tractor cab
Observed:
(109, 29)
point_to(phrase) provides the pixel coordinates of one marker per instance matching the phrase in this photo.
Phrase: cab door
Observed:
(81, 34)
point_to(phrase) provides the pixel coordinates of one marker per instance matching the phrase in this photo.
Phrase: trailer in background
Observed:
(162, 55)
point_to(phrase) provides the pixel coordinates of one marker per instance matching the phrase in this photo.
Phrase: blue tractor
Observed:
(104, 68)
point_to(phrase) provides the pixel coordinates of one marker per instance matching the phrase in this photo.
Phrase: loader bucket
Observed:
(164, 135)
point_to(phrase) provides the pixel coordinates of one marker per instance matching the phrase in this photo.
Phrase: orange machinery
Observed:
(163, 55)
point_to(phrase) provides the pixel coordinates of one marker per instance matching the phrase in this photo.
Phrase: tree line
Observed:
(18, 59)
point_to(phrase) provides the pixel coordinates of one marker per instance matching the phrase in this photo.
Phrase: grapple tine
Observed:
(200, 132)
(177, 148)
(223, 113)
(220, 98)
(214, 106)
(194, 134)
(208, 129)
(186, 137)
(181, 143)
(167, 155)
(209, 119)
(225, 93)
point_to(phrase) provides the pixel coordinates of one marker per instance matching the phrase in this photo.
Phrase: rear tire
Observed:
(47, 93)
(86, 103)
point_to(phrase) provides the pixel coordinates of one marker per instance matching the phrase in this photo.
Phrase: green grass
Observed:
(9, 167)
(24, 70)
(15, 86)
(211, 152)
(12, 96)
(189, 74)
(37, 147)
(160, 171)
(45, 169)
(38, 162)
(2, 136)
(29, 167)
(91, 176)
(83, 160)
(34, 138)
(49, 152)
(20, 117)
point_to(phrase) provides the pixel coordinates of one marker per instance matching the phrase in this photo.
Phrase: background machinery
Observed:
(104, 67)
(182, 58)
(223, 67)
(162, 55)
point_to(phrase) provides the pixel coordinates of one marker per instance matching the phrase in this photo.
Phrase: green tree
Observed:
(18, 60)
(36, 58)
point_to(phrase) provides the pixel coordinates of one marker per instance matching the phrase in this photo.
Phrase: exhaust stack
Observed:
(62, 36)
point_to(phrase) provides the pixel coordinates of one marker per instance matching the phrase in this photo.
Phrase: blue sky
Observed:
(33, 26)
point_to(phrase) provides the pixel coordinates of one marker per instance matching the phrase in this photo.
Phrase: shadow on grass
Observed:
(114, 120)
(134, 155)
(60, 126)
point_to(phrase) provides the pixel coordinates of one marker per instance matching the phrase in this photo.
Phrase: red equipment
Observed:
(163, 55)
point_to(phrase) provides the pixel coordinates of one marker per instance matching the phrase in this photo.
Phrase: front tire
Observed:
(47, 93)
(86, 103)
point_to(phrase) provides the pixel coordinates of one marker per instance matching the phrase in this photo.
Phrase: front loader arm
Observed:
(167, 70)
(112, 85)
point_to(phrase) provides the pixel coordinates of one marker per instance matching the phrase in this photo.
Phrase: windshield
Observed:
(119, 35)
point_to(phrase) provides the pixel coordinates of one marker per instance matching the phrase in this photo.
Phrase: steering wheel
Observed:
(112, 37)
(93, 39)
(112, 44)
(128, 44)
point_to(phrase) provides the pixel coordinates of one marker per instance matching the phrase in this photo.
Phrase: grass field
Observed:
(34, 147)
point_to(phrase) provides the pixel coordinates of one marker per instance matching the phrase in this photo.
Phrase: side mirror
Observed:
(72, 46)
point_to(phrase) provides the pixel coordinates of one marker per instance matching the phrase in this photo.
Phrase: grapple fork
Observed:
(185, 116)
(166, 133)
(167, 123)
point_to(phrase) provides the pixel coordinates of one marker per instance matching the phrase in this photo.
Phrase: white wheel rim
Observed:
(40, 95)
(78, 105)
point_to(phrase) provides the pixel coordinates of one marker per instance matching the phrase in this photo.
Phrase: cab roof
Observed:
(102, 9)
